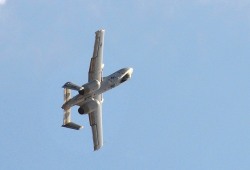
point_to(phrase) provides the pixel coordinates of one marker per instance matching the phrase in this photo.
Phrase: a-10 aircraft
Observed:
(90, 96)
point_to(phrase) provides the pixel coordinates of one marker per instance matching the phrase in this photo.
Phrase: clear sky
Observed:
(185, 108)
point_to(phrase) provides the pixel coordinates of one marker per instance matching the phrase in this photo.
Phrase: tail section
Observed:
(66, 116)
(72, 86)
(72, 125)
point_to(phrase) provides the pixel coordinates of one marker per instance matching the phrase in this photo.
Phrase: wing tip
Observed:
(100, 31)
(97, 147)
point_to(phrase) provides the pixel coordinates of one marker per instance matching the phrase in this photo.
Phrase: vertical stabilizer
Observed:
(66, 116)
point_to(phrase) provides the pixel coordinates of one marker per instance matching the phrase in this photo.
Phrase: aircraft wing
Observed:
(95, 73)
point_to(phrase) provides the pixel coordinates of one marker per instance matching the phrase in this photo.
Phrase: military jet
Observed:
(90, 95)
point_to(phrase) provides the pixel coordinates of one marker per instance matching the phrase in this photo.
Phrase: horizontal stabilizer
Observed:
(72, 86)
(72, 125)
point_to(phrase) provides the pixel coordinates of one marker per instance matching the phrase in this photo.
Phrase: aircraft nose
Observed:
(126, 75)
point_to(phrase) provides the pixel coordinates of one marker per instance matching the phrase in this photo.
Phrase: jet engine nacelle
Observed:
(90, 87)
(89, 106)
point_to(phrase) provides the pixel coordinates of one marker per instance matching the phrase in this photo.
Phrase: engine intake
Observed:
(90, 87)
(89, 106)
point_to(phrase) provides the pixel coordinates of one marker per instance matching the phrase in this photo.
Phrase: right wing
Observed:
(96, 64)
(95, 73)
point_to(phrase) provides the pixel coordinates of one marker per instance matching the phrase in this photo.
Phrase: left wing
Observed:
(95, 73)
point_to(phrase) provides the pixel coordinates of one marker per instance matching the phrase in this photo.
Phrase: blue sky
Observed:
(185, 108)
